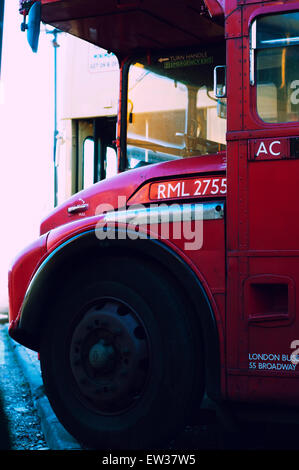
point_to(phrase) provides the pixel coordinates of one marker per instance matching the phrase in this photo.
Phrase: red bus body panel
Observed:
(262, 235)
(249, 264)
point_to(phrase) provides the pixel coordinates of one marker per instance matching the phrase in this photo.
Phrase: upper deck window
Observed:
(172, 110)
(276, 40)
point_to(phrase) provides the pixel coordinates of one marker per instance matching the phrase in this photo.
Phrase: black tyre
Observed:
(121, 357)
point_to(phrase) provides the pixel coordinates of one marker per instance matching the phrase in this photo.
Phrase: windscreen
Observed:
(172, 110)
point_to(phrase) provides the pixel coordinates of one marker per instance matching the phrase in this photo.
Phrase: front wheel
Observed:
(121, 357)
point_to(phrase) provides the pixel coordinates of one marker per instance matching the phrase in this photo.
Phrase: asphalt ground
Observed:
(56, 436)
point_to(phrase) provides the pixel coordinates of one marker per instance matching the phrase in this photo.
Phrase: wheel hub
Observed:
(101, 355)
(109, 356)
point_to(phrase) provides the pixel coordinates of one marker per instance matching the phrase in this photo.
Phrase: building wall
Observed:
(88, 82)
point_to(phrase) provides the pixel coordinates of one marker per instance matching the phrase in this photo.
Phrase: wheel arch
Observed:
(71, 254)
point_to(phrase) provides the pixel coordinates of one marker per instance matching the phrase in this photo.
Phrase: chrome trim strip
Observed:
(159, 213)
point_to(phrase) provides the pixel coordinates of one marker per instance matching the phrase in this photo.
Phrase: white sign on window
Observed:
(101, 61)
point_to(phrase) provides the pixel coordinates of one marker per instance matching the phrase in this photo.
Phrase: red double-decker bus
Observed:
(180, 275)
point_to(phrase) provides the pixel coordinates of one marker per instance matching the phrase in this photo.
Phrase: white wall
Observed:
(27, 125)
(90, 80)
(26, 135)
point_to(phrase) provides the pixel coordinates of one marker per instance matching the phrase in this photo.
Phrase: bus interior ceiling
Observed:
(142, 25)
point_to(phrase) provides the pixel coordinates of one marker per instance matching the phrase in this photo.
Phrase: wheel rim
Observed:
(110, 357)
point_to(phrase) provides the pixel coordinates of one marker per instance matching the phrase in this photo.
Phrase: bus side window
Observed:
(111, 162)
(88, 162)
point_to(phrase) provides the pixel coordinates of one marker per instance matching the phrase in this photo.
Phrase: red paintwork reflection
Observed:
(21, 272)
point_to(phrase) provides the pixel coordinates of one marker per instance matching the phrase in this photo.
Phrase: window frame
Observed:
(252, 89)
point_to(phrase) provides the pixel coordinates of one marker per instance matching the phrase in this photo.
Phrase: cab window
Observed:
(172, 110)
(275, 45)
